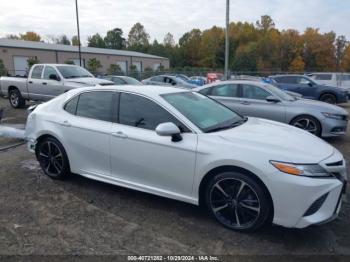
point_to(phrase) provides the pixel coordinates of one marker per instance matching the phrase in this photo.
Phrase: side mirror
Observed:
(272, 99)
(54, 77)
(169, 129)
(310, 84)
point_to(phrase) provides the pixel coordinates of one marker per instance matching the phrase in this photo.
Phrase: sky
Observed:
(56, 17)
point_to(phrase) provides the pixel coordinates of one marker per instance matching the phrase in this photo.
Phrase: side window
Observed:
(157, 79)
(323, 77)
(71, 106)
(206, 91)
(49, 70)
(141, 112)
(303, 80)
(285, 79)
(254, 92)
(95, 105)
(225, 90)
(37, 70)
(118, 81)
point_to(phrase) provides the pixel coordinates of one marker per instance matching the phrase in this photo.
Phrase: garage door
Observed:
(20, 65)
(123, 65)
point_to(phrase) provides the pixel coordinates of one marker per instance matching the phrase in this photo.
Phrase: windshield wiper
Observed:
(231, 125)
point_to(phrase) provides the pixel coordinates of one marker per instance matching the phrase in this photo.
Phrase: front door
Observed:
(143, 159)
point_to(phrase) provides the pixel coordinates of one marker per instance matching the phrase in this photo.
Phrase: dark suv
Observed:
(308, 88)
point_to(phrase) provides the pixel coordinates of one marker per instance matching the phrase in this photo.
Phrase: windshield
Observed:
(183, 77)
(73, 72)
(279, 93)
(205, 113)
(132, 81)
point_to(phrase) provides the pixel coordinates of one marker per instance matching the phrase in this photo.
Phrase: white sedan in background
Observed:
(186, 146)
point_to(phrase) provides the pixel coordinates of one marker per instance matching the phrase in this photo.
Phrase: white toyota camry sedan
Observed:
(183, 145)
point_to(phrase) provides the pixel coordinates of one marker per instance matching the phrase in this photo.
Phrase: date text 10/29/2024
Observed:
(173, 258)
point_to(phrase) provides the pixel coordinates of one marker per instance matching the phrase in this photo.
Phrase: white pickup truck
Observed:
(46, 81)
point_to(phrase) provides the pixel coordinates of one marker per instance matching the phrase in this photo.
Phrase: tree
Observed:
(340, 44)
(96, 41)
(345, 63)
(245, 58)
(169, 40)
(3, 70)
(30, 36)
(266, 23)
(133, 72)
(138, 38)
(114, 69)
(297, 65)
(63, 40)
(75, 40)
(11, 36)
(114, 39)
(93, 65)
(189, 47)
(32, 61)
(212, 46)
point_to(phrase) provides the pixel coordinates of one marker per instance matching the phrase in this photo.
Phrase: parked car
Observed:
(168, 80)
(198, 80)
(192, 80)
(186, 146)
(341, 80)
(307, 87)
(257, 99)
(212, 77)
(122, 80)
(46, 81)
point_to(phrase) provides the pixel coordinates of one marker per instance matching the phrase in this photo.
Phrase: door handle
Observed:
(245, 103)
(30, 82)
(44, 83)
(66, 123)
(119, 134)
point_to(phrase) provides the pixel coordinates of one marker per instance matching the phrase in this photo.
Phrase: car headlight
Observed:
(312, 170)
(334, 116)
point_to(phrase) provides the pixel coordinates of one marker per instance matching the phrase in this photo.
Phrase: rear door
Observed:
(227, 94)
(35, 82)
(254, 104)
(307, 88)
(86, 127)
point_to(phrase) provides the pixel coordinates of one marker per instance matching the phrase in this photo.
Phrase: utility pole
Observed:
(79, 44)
(227, 43)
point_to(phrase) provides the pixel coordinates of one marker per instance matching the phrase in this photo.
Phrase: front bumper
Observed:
(303, 201)
(334, 127)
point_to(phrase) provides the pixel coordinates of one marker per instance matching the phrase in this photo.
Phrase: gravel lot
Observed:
(79, 216)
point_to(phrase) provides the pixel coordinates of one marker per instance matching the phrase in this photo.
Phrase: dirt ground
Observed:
(40, 216)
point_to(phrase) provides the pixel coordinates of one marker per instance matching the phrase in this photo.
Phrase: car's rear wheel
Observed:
(52, 158)
(307, 123)
(328, 98)
(237, 201)
(15, 98)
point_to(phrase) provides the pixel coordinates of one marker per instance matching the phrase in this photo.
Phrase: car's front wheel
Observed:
(307, 123)
(52, 158)
(328, 98)
(237, 201)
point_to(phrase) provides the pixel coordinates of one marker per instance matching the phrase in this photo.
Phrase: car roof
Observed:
(147, 90)
(287, 75)
(251, 82)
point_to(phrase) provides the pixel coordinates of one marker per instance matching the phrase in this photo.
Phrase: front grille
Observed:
(316, 205)
(338, 163)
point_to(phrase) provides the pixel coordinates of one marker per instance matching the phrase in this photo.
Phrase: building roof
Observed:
(4, 42)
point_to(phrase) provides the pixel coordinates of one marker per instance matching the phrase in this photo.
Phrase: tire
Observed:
(52, 158)
(308, 123)
(328, 98)
(237, 201)
(15, 98)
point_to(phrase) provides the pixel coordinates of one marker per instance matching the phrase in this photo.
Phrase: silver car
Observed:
(258, 99)
(168, 80)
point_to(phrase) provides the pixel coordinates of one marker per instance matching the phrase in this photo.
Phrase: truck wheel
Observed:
(16, 99)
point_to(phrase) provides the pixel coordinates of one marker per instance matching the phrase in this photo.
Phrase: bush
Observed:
(114, 69)
(3, 70)
(93, 65)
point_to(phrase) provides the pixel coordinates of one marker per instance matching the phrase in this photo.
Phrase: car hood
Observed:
(281, 141)
(323, 107)
(89, 81)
